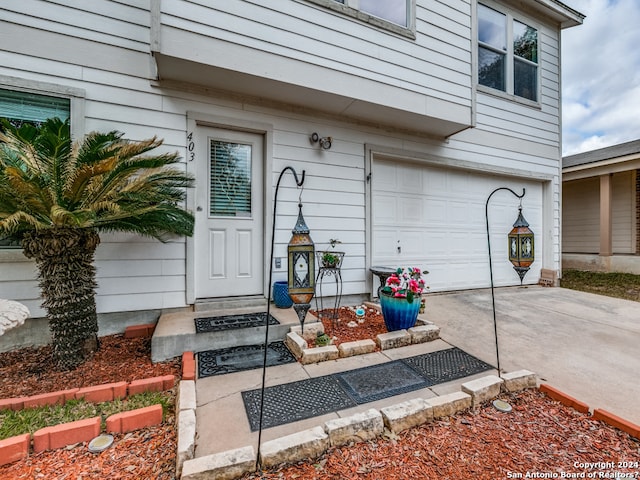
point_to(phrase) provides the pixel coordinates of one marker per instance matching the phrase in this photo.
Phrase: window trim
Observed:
(511, 16)
(347, 8)
(76, 98)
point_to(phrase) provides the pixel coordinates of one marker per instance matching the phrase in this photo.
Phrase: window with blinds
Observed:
(21, 107)
(230, 179)
(24, 107)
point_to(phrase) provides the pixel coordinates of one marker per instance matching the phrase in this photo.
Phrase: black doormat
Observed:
(373, 383)
(237, 359)
(229, 322)
(446, 365)
(295, 401)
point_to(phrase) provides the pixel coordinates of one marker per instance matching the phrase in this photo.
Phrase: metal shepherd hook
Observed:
(299, 183)
(493, 300)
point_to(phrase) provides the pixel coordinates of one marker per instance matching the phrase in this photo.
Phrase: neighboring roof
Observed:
(593, 156)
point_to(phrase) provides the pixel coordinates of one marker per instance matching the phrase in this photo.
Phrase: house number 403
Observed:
(190, 147)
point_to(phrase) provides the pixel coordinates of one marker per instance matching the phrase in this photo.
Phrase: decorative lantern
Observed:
(521, 246)
(301, 268)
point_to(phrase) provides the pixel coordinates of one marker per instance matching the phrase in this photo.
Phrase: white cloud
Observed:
(601, 75)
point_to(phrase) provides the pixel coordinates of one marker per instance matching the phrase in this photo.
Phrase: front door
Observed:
(229, 214)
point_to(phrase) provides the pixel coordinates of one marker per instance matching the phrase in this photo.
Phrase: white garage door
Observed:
(434, 218)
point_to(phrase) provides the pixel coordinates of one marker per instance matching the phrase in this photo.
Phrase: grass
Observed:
(619, 285)
(29, 420)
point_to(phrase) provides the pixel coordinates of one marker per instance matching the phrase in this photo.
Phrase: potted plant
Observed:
(331, 258)
(401, 297)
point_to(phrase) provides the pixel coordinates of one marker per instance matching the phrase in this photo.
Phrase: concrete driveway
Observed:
(583, 344)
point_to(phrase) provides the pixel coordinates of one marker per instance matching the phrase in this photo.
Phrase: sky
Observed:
(601, 76)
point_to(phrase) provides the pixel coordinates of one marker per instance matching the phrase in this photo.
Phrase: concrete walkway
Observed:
(583, 344)
(220, 415)
(588, 346)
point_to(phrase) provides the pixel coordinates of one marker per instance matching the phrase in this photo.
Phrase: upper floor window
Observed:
(394, 11)
(507, 54)
(396, 16)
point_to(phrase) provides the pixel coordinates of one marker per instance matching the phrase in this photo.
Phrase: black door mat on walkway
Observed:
(295, 401)
(446, 365)
(369, 384)
(230, 322)
(304, 399)
(237, 359)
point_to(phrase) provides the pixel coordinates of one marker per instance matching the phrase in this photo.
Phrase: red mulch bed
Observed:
(340, 331)
(149, 453)
(540, 436)
(31, 371)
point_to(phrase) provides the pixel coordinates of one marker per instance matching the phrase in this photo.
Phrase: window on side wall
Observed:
(507, 54)
(20, 107)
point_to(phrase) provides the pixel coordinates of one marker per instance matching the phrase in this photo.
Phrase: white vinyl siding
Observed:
(107, 55)
(437, 63)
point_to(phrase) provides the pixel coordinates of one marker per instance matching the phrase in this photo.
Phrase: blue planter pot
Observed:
(398, 313)
(281, 297)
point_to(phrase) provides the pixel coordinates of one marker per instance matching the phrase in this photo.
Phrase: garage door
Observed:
(434, 218)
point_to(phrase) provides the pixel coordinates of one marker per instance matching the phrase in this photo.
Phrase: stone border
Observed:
(362, 426)
(297, 344)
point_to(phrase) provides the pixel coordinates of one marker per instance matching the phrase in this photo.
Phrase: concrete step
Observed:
(175, 333)
(230, 303)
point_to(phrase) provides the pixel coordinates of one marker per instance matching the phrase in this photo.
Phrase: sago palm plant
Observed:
(56, 196)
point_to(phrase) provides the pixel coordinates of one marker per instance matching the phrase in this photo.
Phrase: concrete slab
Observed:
(583, 344)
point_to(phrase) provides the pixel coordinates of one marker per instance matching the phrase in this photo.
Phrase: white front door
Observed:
(228, 235)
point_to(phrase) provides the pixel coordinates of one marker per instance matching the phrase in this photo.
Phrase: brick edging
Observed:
(17, 448)
(106, 392)
(598, 413)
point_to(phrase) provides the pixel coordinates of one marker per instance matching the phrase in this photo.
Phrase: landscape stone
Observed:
(398, 338)
(483, 389)
(355, 428)
(319, 354)
(519, 380)
(186, 438)
(227, 465)
(295, 447)
(450, 404)
(358, 347)
(187, 395)
(424, 333)
(310, 330)
(411, 413)
(296, 344)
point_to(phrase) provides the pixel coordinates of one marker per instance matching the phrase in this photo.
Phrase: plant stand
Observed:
(323, 272)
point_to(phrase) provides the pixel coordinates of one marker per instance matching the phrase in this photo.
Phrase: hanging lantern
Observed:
(521, 246)
(301, 268)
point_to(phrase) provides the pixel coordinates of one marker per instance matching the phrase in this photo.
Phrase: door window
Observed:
(230, 179)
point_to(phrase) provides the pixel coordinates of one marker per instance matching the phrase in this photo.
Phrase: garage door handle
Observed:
(399, 249)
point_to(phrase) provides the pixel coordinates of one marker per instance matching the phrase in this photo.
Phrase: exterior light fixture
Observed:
(521, 251)
(324, 142)
(301, 268)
